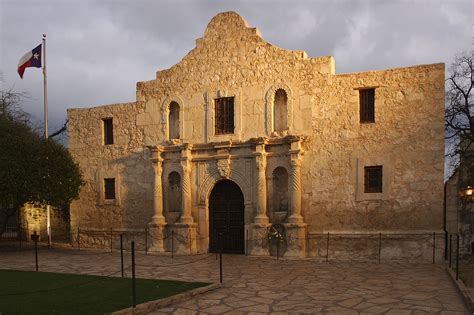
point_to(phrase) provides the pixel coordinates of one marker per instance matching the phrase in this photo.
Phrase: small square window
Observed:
(108, 131)
(367, 105)
(109, 188)
(373, 176)
(224, 115)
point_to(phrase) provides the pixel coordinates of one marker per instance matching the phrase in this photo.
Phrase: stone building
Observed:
(241, 135)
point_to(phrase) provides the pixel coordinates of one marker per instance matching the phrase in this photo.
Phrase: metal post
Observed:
(111, 240)
(134, 293)
(146, 240)
(307, 242)
(450, 248)
(247, 243)
(48, 224)
(278, 247)
(20, 230)
(121, 253)
(434, 247)
(380, 245)
(220, 266)
(445, 245)
(36, 250)
(172, 244)
(457, 256)
(78, 240)
(327, 248)
(190, 243)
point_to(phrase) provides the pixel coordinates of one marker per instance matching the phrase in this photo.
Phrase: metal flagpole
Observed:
(45, 101)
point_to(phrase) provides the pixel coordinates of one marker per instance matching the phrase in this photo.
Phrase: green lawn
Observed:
(29, 292)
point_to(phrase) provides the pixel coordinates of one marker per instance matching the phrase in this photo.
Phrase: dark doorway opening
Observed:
(226, 218)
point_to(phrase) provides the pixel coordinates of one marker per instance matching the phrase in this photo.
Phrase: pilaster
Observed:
(186, 216)
(261, 166)
(156, 226)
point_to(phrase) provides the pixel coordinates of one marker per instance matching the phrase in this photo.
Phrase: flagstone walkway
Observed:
(265, 285)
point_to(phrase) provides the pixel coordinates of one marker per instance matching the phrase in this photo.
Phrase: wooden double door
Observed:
(226, 218)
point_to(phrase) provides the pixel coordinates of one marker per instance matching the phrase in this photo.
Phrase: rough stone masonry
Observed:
(242, 144)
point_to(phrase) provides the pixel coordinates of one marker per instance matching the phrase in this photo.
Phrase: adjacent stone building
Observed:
(241, 135)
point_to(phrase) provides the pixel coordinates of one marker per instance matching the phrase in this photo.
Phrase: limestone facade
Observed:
(312, 142)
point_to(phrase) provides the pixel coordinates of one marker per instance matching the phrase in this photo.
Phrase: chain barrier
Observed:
(176, 265)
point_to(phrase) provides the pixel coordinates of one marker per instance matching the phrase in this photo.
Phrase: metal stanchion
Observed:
(20, 232)
(327, 248)
(278, 248)
(35, 238)
(111, 239)
(247, 243)
(78, 240)
(190, 243)
(220, 267)
(121, 253)
(434, 247)
(380, 245)
(457, 256)
(450, 248)
(146, 240)
(445, 245)
(172, 244)
(134, 293)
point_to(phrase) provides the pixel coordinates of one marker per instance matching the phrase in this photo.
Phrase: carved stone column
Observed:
(295, 185)
(261, 163)
(186, 216)
(295, 228)
(185, 230)
(259, 241)
(156, 226)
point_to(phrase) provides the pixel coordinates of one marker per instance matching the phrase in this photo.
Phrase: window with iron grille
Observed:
(224, 115)
(373, 176)
(108, 131)
(367, 105)
(109, 188)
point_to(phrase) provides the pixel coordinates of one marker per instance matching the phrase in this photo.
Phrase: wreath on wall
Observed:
(276, 232)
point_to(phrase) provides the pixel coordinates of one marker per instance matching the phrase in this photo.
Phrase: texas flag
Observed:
(30, 59)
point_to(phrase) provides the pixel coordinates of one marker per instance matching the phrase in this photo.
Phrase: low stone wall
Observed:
(369, 246)
(414, 247)
(108, 238)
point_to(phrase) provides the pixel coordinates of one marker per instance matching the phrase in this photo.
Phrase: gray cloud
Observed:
(98, 50)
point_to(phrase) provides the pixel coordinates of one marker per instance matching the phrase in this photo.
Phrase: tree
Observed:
(32, 169)
(459, 117)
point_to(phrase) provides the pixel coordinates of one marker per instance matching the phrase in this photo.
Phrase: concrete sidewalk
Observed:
(265, 285)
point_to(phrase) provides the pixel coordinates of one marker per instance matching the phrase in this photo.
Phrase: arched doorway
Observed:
(226, 218)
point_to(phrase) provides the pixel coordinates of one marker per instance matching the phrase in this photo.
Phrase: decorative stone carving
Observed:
(259, 242)
(157, 162)
(295, 183)
(223, 167)
(156, 226)
(186, 216)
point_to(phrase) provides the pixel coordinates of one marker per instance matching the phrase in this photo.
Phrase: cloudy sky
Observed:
(98, 50)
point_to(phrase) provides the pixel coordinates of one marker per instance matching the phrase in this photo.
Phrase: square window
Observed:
(108, 131)
(109, 188)
(367, 105)
(373, 176)
(224, 115)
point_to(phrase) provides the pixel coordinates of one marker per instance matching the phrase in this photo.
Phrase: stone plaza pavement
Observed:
(254, 285)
